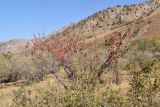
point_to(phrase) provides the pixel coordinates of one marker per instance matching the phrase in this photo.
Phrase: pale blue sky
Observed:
(23, 18)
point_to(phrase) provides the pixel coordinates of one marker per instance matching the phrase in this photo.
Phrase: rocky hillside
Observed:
(13, 46)
(111, 18)
(26, 80)
(101, 23)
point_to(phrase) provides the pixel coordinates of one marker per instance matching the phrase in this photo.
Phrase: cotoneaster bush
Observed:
(63, 48)
(82, 60)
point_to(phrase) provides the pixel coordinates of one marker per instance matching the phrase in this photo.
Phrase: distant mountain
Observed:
(104, 22)
(13, 46)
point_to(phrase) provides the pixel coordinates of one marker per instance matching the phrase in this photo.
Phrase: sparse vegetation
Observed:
(16, 67)
(80, 67)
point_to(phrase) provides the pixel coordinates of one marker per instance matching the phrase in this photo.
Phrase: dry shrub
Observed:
(16, 67)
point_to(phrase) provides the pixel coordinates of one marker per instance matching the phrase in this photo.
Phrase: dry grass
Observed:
(6, 90)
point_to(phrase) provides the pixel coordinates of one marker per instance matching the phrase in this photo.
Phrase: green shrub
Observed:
(145, 83)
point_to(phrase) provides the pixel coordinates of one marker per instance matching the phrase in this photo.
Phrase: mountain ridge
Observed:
(100, 23)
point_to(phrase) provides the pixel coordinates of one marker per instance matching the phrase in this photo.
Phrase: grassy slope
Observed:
(6, 89)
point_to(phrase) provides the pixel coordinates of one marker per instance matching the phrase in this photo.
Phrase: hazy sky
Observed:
(23, 18)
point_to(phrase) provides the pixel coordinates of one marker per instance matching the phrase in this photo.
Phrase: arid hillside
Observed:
(13, 46)
(101, 23)
(111, 18)
(109, 59)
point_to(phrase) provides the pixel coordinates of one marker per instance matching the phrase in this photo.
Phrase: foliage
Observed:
(116, 48)
(16, 67)
(144, 86)
(21, 98)
(86, 92)
(81, 66)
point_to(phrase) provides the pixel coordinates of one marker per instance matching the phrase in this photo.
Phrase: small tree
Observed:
(64, 48)
(116, 48)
